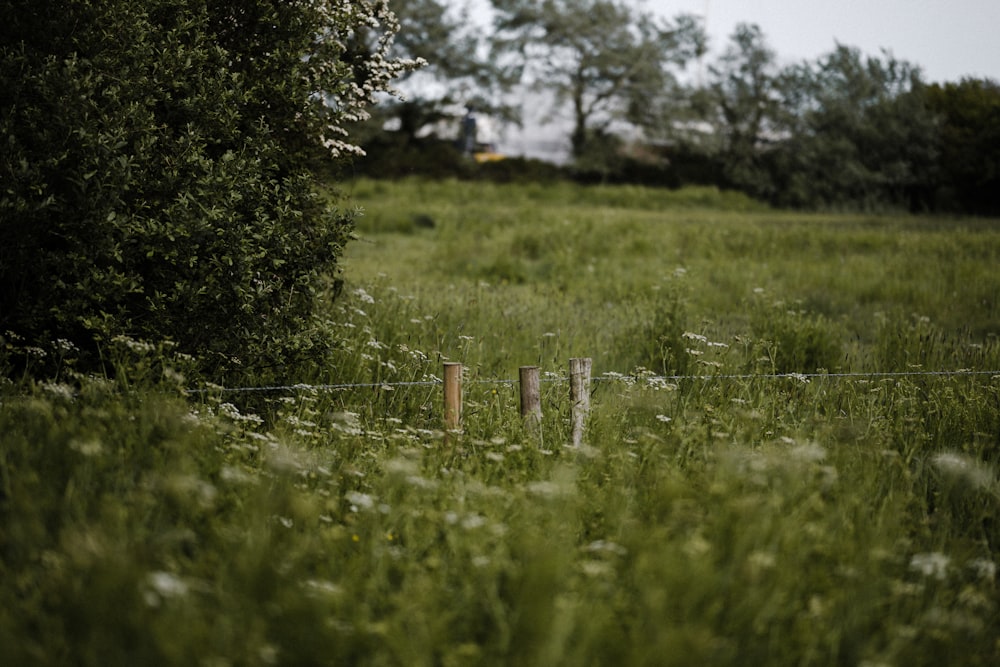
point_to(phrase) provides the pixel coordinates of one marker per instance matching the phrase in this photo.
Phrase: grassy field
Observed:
(791, 457)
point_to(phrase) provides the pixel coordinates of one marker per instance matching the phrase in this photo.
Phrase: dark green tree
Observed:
(155, 169)
(969, 116)
(858, 133)
(742, 102)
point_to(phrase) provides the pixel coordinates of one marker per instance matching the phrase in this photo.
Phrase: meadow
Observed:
(791, 456)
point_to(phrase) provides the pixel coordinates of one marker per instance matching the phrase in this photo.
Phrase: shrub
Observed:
(156, 170)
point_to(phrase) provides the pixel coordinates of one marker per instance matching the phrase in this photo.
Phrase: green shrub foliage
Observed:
(155, 168)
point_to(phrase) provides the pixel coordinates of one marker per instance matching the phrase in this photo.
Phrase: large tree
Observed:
(606, 59)
(742, 103)
(969, 115)
(858, 133)
(155, 168)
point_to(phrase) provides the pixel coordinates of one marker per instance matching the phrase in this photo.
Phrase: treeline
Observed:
(847, 130)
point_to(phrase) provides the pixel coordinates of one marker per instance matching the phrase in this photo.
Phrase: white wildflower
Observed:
(364, 296)
(934, 564)
(58, 390)
(606, 546)
(360, 501)
(89, 447)
(808, 453)
(163, 585)
(965, 469)
(984, 568)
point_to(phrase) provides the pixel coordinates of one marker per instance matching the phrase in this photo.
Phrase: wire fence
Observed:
(609, 376)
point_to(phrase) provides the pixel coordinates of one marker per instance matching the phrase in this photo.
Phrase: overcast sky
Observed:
(948, 39)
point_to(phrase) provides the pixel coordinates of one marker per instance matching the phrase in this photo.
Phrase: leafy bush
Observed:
(156, 170)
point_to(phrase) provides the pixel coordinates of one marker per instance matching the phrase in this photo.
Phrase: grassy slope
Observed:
(742, 521)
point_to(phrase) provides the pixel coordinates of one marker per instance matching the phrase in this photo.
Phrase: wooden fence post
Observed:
(579, 395)
(531, 396)
(452, 396)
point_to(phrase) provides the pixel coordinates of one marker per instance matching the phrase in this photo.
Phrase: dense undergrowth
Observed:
(774, 471)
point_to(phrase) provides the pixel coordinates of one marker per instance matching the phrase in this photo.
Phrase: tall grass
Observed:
(733, 515)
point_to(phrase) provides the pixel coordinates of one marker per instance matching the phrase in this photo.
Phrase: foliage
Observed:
(455, 73)
(742, 101)
(969, 113)
(608, 61)
(156, 170)
(731, 521)
(847, 130)
(863, 134)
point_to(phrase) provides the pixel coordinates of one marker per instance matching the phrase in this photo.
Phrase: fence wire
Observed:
(605, 377)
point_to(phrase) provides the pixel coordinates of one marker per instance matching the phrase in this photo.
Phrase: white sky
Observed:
(948, 39)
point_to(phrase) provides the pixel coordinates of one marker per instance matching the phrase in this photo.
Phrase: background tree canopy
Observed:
(604, 58)
(847, 130)
(155, 169)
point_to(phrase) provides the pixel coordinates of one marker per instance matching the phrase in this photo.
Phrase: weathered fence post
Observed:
(531, 396)
(452, 396)
(579, 395)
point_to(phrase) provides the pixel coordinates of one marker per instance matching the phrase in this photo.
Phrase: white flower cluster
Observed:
(346, 89)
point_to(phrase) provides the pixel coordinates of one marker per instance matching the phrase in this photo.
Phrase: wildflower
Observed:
(66, 346)
(761, 560)
(231, 412)
(965, 469)
(606, 546)
(808, 453)
(546, 489)
(473, 521)
(934, 564)
(139, 347)
(364, 296)
(984, 568)
(163, 585)
(664, 418)
(359, 500)
(91, 447)
(322, 587)
(235, 476)
(58, 390)
(660, 383)
(596, 569)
